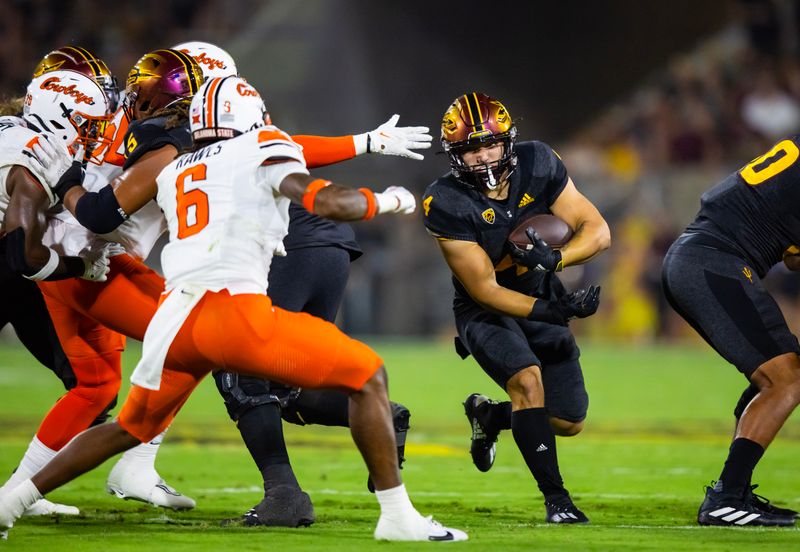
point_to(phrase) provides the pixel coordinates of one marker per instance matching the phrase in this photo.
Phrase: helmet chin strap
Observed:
(492, 181)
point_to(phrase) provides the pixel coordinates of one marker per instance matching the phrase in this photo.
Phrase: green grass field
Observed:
(657, 432)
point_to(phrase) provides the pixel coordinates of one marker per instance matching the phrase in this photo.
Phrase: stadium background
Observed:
(648, 103)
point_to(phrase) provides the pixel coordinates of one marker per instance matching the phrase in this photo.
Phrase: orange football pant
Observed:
(90, 318)
(246, 334)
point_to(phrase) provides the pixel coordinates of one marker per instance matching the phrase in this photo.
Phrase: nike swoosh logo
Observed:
(448, 536)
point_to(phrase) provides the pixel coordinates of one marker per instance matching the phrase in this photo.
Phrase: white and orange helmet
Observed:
(226, 107)
(70, 105)
(214, 61)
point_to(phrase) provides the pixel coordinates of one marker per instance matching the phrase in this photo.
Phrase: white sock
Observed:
(144, 455)
(21, 497)
(36, 457)
(395, 502)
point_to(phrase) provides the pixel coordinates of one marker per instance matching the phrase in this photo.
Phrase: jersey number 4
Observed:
(775, 161)
(192, 205)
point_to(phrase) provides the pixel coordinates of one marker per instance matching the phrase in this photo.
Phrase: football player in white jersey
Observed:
(92, 321)
(227, 204)
(61, 109)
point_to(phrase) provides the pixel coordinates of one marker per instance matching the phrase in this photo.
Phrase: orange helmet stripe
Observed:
(210, 101)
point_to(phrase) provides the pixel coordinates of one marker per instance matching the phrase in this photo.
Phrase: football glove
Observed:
(97, 261)
(396, 199)
(52, 155)
(390, 139)
(578, 304)
(540, 257)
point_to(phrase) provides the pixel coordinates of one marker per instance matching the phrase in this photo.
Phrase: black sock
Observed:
(498, 416)
(742, 459)
(537, 443)
(262, 432)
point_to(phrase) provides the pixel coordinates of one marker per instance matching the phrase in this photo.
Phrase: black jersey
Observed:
(756, 210)
(456, 212)
(305, 229)
(147, 135)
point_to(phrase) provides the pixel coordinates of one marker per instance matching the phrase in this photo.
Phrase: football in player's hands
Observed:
(553, 230)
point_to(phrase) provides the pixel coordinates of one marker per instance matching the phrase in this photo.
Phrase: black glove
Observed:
(578, 304)
(541, 257)
(72, 177)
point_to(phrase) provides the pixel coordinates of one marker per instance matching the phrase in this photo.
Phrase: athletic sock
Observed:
(262, 431)
(742, 459)
(36, 457)
(395, 503)
(144, 455)
(537, 443)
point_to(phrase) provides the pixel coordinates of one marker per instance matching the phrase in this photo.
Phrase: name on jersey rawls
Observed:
(199, 155)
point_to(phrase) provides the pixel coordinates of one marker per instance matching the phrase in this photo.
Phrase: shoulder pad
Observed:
(15, 142)
(447, 210)
(150, 134)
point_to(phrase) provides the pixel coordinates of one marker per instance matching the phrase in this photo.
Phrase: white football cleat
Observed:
(44, 507)
(130, 482)
(417, 528)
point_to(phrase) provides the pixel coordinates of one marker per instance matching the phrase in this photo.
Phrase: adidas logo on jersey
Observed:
(541, 448)
(526, 200)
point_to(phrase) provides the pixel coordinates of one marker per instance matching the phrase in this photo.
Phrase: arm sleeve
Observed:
(444, 220)
(100, 211)
(557, 176)
(323, 150)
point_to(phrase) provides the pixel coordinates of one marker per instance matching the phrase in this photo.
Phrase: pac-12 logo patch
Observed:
(488, 215)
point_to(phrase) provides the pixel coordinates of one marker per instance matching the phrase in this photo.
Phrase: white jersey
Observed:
(138, 235)
(14, 137)
(225, 214)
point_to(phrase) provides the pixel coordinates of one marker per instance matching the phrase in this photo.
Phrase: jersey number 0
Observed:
(192, 205)
(775, 161)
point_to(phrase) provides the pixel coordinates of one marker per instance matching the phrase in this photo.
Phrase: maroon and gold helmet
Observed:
(474, 120)
(159, 79)
(81, 60)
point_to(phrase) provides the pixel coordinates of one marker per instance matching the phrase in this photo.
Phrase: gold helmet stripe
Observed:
(477, 122)
(89, 58)
(469, 110)
(189, 63)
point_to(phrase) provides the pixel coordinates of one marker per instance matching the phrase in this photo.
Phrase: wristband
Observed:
(311, 193)
(72, 177)
(372, 204)
(48, 268)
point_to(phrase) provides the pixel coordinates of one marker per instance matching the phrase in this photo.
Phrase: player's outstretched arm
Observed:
(332, 201)
(387, 139)
(103, 211)
(592, 234)
(25, 224)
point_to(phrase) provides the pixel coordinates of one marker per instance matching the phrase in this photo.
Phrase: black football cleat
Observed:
(484, 442)
(722, 509)
(765, 505)
(560, 509)
(282, 506)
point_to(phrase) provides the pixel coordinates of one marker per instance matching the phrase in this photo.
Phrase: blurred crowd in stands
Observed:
(647, 160)
(644, 161)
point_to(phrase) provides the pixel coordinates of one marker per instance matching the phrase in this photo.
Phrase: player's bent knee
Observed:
(525, 388)
(565, 428)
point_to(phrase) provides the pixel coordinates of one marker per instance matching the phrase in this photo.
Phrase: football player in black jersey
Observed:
(712, 277)
(511, 310)
(158, 132)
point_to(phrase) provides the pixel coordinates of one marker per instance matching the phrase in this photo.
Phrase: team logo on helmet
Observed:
(71, 90)
(226, 107)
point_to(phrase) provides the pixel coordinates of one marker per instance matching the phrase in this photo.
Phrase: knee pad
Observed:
(241, 393)
(748, 395)
(105, 414)
(289, 410)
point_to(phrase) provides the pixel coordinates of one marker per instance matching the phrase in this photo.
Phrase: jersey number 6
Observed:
(192, 205)
(775, 161)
